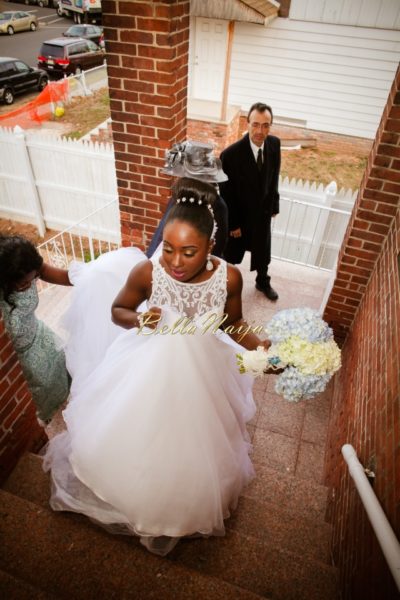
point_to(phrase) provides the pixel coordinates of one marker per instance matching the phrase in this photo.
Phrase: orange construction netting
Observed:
(40, 109)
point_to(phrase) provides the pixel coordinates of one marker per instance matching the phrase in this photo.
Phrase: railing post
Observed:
(34, 196)
(330, 190)
(91, 248)
(82, 81)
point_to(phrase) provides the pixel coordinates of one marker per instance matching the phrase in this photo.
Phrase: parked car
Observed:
(17, 77)
(87, 32)
(41, 3)
(17, 20)
(69, 55)
(49, 3)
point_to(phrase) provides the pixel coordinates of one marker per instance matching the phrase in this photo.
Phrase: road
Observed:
(26, 45)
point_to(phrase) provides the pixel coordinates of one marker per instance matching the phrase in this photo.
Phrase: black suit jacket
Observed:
(252, 199)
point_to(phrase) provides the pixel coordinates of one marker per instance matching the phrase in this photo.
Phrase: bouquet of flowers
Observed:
(303, 345)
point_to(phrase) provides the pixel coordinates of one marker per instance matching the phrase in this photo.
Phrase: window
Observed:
(92, 46)
(21, 67)
(52, 50)
(79, 48)
(7, 69)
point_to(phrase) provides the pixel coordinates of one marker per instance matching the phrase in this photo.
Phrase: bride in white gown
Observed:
(156, 443)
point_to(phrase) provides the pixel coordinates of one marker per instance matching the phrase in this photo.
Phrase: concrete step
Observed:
(282, 528)
(251, 557)
(73, 558)
(12, 588)
(279, 527)
(29, 481)
(305, 497)
(262, 567)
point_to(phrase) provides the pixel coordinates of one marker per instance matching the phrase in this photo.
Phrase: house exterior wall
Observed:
(325, 77)
(364, 308)
(384, 14)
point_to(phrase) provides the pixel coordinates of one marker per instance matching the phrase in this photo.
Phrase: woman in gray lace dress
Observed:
(39, 350)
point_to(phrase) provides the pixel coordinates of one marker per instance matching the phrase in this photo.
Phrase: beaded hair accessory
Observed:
(199, 202)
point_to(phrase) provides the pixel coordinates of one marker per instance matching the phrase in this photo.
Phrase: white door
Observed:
(209, 58)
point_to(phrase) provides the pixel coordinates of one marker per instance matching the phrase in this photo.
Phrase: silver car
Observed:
(17, 20)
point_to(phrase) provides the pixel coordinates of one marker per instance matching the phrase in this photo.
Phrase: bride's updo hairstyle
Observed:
(194, 201)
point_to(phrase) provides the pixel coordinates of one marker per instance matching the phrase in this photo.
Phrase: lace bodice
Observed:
(190, 299)
(21, 322)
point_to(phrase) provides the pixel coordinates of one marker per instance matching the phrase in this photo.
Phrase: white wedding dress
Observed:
(156, 443)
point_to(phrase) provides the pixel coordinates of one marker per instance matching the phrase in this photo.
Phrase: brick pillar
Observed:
(147, 44)
(19, 429)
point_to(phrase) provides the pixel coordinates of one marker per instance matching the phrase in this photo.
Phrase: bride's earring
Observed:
(209, 264)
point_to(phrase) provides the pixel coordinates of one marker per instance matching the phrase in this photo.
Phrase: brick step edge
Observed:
(247, 561)
(77, 559)
(29, 481)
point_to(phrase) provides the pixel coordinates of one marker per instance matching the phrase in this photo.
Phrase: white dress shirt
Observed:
(256, 149)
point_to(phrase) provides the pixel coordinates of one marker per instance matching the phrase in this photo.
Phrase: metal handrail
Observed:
(380, 524)
(78, 223)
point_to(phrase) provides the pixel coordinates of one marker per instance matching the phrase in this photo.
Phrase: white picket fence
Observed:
(54, 183)
(311, 223)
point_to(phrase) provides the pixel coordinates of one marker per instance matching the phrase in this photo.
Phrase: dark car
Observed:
(87, 32)
(69, 55)
(41, 3)
(17, 77)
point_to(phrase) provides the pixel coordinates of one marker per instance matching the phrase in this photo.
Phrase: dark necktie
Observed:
(259, 159)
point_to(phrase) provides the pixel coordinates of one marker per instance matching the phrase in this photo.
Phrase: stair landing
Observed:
(277, 541)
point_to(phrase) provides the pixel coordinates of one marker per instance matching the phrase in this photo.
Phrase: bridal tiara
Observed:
(199, 202)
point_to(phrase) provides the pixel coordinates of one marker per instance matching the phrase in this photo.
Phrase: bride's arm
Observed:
(235, 325)
(136, 289)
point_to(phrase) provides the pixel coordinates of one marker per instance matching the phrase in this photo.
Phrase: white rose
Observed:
(255, 361)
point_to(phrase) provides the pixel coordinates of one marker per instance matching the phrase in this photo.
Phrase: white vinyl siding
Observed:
(383, 14)
(329, 77)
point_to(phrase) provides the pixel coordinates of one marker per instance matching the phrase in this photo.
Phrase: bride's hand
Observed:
(150, 318)
(270, 370)
(265, 344)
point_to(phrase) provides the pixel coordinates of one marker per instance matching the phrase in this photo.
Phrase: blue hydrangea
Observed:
(305, 323)
(295, 386)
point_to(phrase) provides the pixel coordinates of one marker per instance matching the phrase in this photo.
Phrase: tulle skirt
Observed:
(156, 443)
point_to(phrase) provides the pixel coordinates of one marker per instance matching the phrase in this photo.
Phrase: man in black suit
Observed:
(251, 193)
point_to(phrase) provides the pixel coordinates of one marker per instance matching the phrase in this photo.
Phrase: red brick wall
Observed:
(365, 310)
(147, 45)
(221, 134)
(19, 429)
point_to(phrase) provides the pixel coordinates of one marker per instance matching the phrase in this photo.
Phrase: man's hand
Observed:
(236, 233)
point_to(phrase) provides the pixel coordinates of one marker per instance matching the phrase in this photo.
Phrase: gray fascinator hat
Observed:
(194, 159)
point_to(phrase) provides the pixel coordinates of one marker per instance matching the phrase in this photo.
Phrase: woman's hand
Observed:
(54, 275)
